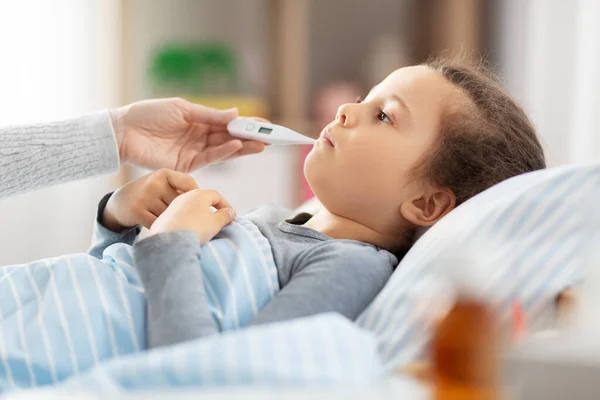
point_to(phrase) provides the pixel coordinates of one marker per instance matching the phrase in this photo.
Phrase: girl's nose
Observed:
(346, 115)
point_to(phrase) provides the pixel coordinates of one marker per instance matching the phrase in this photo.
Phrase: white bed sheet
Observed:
(393, 387)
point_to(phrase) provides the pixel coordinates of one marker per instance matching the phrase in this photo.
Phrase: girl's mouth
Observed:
(326, 137)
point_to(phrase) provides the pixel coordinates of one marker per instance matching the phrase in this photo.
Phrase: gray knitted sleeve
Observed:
(40, 155)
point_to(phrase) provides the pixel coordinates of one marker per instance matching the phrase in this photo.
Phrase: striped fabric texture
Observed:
(325, 349)
(62, 316)
(523, 240)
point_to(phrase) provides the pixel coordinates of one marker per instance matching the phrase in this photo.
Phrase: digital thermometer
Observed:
(252, 129)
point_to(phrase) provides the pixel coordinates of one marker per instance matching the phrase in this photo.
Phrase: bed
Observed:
(528, 239)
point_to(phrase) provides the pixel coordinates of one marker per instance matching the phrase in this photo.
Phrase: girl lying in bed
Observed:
(423, 141)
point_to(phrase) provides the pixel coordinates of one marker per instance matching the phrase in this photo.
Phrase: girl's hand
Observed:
(141, 201)
(192, 211)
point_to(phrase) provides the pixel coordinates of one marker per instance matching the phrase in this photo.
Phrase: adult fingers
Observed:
(206, 115)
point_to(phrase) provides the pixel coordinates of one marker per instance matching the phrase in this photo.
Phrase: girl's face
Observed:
(361, 166)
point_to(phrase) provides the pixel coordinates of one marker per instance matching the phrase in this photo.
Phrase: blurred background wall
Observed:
(293, 61)
(548, 53)
(60, 58)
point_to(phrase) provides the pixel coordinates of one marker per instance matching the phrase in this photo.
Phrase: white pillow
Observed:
(524, 240)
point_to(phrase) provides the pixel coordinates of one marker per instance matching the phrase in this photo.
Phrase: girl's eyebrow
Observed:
(396, 98)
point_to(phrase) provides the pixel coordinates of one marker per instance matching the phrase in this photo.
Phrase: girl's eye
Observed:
(359, 99)
(383, 117)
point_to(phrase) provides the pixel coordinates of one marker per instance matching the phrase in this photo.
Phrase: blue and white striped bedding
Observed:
(524, 240)
(320, 350)
(62, 316)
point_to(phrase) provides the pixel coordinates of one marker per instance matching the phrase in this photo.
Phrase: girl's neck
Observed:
(339, 227)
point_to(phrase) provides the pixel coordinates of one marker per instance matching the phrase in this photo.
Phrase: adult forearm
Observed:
(35, 156)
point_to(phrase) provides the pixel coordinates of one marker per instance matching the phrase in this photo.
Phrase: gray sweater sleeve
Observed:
(169, 267)
(39, 155)
(103, 237)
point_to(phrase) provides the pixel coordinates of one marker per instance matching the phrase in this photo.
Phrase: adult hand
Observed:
(192, 211)
(177, 134)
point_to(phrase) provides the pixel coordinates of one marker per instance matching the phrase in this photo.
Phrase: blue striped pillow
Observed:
(524, 239)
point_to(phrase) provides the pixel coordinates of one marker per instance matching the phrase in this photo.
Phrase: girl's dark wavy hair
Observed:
(484, 141)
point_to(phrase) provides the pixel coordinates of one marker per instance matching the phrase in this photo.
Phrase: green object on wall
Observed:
(196, 68)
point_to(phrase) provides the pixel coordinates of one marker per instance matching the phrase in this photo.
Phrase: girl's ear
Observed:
(429, 208)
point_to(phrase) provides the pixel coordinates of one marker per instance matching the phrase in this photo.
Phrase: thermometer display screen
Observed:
(266, 131)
